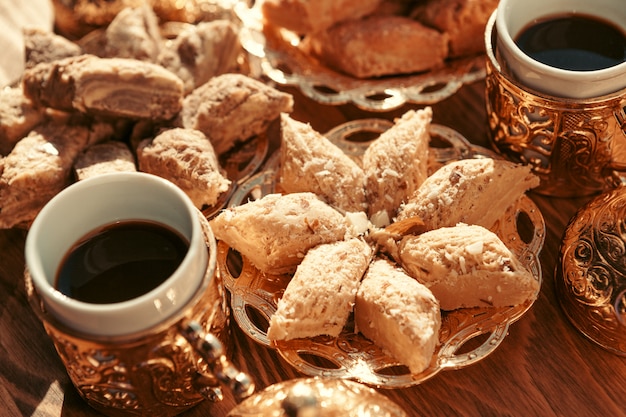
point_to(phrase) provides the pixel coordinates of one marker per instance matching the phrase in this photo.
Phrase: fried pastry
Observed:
(276, 231)
(186, 158)
(463, 21)
(467, 266)
(75, 18)
(232, 108)
(116, 87)
(308, 16)
(396, 164)
(320, 296)
(310, 162)
(39, 167)
(398, 314)
(46, 46)
(473, 191)
(17, 117)
(379, 45)
(104, 157)
(134, 33)
(200, 52)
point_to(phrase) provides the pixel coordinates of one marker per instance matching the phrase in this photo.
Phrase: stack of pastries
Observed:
(381, 238)
(139, 92)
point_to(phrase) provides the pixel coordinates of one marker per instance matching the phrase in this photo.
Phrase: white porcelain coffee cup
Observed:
(91, 203)
(512, 16)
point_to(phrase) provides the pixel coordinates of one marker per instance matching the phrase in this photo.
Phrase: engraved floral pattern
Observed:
(569, 144)
(592, 269)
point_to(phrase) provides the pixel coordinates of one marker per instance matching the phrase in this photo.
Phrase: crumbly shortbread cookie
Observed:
(42, 45)
(463, 21)
(379, 45)
(134, 33)
(276, 231)
(398, 314)
(307, 16)
(320, 296)
(396, 163)
(116, 87)
(39, 167)
(186, 158)
(104, 157)
(231, 108)
(17, 117)
(200, 52)
(310, 162)
(472, 191)
(467, 266)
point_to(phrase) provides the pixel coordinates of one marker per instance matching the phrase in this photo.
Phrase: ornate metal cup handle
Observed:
(213, 353)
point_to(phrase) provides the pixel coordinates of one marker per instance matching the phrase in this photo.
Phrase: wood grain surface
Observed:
(544, 367)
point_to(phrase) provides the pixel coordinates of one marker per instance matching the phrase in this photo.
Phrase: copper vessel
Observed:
(575, 146)
(161, 371)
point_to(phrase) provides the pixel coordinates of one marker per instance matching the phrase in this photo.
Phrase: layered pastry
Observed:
(232, 108)
(104, 157)
(113, 87)
(398, 314)
(467, 266)
(321, 294)
(275, 232)
(396, 164)
(473, 191)
(186, 158)
(311, 162)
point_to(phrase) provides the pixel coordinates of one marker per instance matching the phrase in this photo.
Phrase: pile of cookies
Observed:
(168, 98)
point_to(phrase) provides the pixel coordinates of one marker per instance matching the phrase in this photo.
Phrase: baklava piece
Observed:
(472, 191)
(39, 167)
(320, 296)
(275, 232)
(398, 314)
(379, 45)
(231, 108)
(186, 158)
(104, 157)
(200, 52)
(310, 162)
(116, 87)
(17, 117)
(467, 266)
(396, 164)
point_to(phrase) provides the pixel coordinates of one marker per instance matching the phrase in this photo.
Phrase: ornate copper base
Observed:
(572, 145)
(591, 272)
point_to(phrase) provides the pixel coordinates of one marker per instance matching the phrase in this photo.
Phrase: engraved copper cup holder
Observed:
(160, 371)
(575, 146)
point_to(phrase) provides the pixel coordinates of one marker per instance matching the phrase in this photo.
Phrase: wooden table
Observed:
(544, 367)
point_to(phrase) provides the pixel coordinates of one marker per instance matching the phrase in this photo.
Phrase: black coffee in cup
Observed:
(120, 261)
(574, 42)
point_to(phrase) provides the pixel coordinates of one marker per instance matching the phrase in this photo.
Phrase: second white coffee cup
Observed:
(512, 16)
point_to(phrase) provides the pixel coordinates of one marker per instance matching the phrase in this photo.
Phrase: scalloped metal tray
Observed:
(279, 58)
(254, 294)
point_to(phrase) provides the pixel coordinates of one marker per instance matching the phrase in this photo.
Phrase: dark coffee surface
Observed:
(574, 42)
(120, 261)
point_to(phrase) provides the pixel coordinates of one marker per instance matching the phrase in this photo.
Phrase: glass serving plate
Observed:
(466, 336)
(278, 57)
